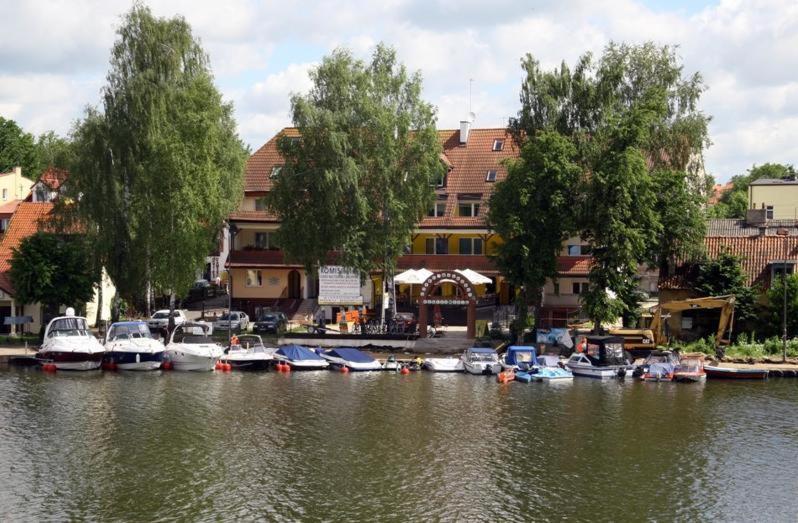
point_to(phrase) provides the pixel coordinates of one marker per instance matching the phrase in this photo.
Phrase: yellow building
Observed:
(14, 186)
(776, 198)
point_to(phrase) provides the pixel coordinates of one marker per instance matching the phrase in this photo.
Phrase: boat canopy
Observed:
(606, 350)
(482, 350)
(124, 330)
(298, 353)
(350, 354)
(517, 354)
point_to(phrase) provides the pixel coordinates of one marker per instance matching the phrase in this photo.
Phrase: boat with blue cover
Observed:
(130, 346)
(353, 359)
(519, 357)
(300, 358)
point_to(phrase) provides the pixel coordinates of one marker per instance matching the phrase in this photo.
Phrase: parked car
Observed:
(275, 322)
(235, 320)
(160, 319)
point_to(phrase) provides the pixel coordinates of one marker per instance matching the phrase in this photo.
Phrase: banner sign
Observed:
(17, 320)
(339, 285)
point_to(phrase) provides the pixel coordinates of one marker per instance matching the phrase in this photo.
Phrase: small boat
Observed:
(733, 373)
(506, 376)
(250, 353)
(519, 357)
(481, 360)
(522, 375)
(69, 345)
(444, 364)
(603, 358)
(352, 359)
(659, 365)
(300, 358)
(549, 369)
(191, 349)
(690, 368)
(129, 345)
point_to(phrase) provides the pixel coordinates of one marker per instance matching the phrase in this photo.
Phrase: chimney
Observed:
(465, 126)
(18, 171)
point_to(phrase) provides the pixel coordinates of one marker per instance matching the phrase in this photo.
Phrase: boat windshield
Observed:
(68, 327)
(482, 356)
(690, 365)
(250, 342)
(192, 334)
(126, 332)
(523, 357)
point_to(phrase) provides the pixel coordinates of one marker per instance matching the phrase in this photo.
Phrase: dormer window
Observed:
(439, 181)
(469, 209)
(779, 268)
(498, 145)
(276, 171)
(491, 176)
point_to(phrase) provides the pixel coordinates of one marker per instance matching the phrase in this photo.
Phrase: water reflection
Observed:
(381, 446)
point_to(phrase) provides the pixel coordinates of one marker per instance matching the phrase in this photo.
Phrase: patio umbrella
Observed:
(412, 277)
(474, 277)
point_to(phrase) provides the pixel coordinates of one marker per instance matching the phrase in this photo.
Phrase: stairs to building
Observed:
(305, 309)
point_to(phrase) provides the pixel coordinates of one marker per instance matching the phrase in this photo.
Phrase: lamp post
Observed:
(233, 230)
(785, 233)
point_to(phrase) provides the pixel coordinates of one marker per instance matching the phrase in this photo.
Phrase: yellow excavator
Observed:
(724, 303)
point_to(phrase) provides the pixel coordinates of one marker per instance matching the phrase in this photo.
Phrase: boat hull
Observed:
(135, 360)
(728, 373)
(190, 362)
(602, 373)
(689, 377)
(443, 365)
(486, 369)
(67, 360)
(251, 364)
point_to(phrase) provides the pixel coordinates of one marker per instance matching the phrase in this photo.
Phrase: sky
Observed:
(54, 57)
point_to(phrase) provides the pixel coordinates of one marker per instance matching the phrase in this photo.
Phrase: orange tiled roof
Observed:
(573, 265)
(28, 219)
(7, 209)
(53, 177)
(468, 166)
(718, 190)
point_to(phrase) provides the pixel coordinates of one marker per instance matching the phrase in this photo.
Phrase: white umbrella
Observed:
(474, 277)
(412, 277)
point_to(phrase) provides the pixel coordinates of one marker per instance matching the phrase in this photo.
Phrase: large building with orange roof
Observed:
(453, 235)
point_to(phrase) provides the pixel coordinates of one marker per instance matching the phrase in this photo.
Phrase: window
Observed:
(438, 210)
(491, 177)
(4, 224)
(260, 204)
(5, 194)
(579, 250)
(276, 171)
(778, 269)
(468, 209)
(254, 278)
(556, 288)
(768, 210)
(440, 181)
(471, 246)
(265, 240)
(498, 145)
(579, 287)
(436, 246)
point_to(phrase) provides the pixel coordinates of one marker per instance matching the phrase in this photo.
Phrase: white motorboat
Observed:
(444, 364)
(352, 359)
(250, 353)
(190, 348)
(481, 360)
(300, 358)
(69, 345)
(129, 345)
(603, 358)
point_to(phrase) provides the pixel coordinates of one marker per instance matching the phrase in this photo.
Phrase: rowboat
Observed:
(733, 373)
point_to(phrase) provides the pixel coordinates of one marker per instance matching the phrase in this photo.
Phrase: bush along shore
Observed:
(746, 349)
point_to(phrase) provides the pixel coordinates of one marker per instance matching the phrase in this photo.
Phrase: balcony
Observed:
(441, 262)
(257, 258)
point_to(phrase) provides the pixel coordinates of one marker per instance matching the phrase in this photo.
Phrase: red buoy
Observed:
(404, 371)
(286, 367)
(166, 365)
(49, 367)
(344, 369)
(227, 367)
(219, 365)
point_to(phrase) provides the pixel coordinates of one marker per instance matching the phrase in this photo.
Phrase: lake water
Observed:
(386, 447)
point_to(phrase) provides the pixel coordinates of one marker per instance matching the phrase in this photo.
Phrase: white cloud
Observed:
(54, 55)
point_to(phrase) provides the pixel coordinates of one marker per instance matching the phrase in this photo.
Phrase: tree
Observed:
(533, 211)
(359, 178)
(734, 202)
(54, 151)
(722, 276)
(774, 310)
(52, 269)
(161, 167)
(633, 119)
(17, 149)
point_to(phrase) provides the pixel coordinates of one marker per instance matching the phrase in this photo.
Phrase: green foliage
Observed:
(734, 202)
(744, 347)
(533, 210)
(774, 309)
(358, 180)
(723, 276)
(17, 149)
(160, 167)
(54, 151)
(52, 269)
(639, 136)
